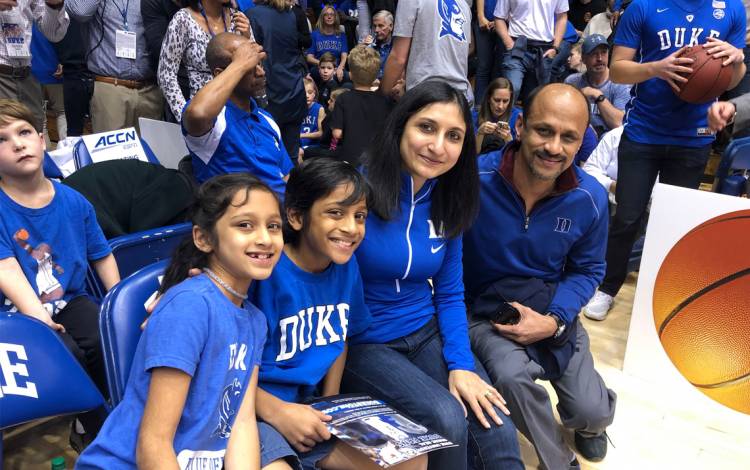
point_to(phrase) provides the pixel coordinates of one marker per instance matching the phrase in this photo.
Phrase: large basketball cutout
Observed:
(701, 307)
(708, 80)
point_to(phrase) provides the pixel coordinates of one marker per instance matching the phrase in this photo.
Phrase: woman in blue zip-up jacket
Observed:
(416, 353)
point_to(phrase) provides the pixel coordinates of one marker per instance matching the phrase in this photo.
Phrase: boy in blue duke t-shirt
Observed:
(48, 235)
(313, 302)
(663, 135)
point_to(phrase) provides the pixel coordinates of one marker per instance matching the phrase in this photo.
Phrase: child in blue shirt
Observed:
(48, 235)
(312, 127)
(313, 302)
(190, 399)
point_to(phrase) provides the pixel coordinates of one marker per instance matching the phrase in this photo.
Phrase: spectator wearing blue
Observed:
(382, 23)
(125, 86)
(495, 123)
(539, 242)
(275, 27)
(225, 130)
(489, 48)
(607, 99)
(327, 37)
(415, 353)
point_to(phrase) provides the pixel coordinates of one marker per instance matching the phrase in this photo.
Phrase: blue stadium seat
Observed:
(83, 158)
(136, 250)
(50, 168)
(120, 317)
(40, 377)
(735, 157)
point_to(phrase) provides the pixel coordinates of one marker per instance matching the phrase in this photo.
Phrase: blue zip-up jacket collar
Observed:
(563, 238)
(397, 260)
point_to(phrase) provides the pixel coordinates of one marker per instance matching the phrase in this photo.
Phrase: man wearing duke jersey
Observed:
(663, 135)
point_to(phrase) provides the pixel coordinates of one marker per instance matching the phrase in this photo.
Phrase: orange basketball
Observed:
(701, 306)
(709, 78)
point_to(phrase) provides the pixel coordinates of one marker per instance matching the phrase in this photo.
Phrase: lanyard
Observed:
(203, 13)
(123, 13)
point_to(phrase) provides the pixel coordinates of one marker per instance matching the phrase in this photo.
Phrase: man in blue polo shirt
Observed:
(663, 135)
(224, 129)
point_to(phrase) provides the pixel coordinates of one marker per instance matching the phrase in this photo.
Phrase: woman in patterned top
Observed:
(187, 37)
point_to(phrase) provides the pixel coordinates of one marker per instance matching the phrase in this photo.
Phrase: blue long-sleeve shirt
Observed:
(397, 259)
(563, 239)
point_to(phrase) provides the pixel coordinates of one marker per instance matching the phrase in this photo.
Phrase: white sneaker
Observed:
(599, 306)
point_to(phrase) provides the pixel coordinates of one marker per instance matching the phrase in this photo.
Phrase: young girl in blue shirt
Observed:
(313, 302)
(415, 354)
(190, 399)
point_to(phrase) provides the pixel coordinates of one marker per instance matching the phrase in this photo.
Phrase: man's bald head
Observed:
(556, 95)
(220, 48)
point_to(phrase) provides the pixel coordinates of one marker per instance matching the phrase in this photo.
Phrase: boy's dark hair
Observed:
(214, 197)
(315, 179)
(364, 65)
(12, 110)
(327, 57)
(455, 197)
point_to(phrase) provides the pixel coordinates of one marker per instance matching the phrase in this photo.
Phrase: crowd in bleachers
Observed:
(375, 187)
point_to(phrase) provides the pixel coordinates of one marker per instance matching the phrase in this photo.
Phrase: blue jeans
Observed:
(638, 166)
(530, 68)
(410, 374)
(489, 51)
(560, 62)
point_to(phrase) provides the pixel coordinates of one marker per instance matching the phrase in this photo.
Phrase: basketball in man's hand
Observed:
(701, 306)
(709, 78)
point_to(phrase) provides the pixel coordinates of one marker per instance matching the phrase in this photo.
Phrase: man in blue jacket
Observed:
(539, 242)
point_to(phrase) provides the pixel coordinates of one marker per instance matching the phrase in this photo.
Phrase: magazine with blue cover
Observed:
(377, 430)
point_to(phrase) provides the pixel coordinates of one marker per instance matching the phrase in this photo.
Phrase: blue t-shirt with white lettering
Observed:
(333, 43)
(310, 124)
(196, 330)
(656, 29)
(53, 245)
(310, 316)
(241, 141)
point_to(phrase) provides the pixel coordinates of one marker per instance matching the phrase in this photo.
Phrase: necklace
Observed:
(223, 284)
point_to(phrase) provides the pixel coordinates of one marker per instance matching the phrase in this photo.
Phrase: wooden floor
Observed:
(652, 430)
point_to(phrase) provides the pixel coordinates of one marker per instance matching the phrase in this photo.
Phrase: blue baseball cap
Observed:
(592, 42)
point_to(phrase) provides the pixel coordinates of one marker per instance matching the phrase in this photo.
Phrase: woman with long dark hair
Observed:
(416, 352)
(275, 28)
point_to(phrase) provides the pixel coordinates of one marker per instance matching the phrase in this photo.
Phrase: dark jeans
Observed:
(77, 92)
(560, 62)
(526, 69)
(489, 53)
(638, 166)
(410, 374)
(81, 321)
(289, 123)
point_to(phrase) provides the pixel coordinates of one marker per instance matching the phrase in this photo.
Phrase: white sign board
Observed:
(674, 212)
(122, 144)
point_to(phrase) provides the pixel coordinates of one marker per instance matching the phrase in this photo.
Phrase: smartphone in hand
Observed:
(506, 314)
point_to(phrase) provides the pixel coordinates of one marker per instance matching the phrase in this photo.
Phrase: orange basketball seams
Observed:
(701, 307)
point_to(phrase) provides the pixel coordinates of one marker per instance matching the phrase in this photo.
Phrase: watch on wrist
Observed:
(560, 325)
(600, 98)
